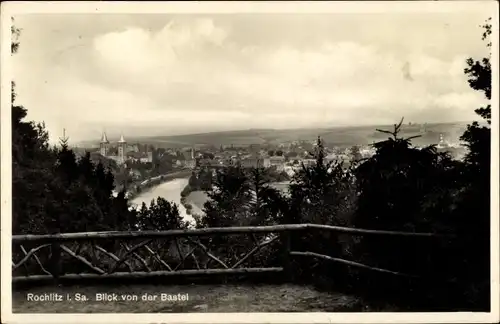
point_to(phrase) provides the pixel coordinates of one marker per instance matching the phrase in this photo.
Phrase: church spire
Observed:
(104, 146)
(104, 138)
(122, 140)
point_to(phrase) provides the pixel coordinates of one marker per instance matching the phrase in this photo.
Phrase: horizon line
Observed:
(135, 137)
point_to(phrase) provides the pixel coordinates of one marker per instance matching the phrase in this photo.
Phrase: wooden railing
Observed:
(101, 255)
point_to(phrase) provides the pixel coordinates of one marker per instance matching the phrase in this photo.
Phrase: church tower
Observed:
(441, 139)
(104, 146)
(122, 145)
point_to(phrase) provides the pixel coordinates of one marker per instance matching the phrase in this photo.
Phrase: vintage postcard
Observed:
(250, 162)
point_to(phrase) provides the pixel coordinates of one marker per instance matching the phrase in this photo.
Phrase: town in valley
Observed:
(137, 161)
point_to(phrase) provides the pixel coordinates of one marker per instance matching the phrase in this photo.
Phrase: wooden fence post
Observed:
(55, 260)
(286, 246)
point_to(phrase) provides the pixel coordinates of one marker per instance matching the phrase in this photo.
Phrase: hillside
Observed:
(339, 136)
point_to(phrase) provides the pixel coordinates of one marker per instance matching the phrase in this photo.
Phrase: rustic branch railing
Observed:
(169, 253)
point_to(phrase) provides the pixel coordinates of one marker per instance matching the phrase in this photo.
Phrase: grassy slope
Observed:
(201, 298)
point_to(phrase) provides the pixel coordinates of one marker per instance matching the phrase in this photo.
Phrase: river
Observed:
(171, 191)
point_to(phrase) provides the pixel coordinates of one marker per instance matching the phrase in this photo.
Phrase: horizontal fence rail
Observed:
(214, 231)
(142, 254)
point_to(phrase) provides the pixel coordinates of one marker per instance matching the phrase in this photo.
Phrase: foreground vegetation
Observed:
(203, 180)
(400, 188)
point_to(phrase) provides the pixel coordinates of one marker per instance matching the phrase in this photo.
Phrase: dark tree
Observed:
(53, 190)
(261, 207)
(160, 216)
(228, 199)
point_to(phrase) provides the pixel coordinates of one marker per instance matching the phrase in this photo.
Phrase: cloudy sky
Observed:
(173, 74)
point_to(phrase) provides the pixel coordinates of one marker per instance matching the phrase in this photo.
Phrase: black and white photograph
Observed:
(223, 161)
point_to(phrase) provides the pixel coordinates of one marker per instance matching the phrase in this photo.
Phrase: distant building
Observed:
(133, 156)
(231, 161)
(191, 164)
(104, 145)
(278, 162)
(122, 146)
(146, 158)
(367, 152)
(308, 162)
(190, 160)
(252, 163)
(289, 170)
(122, 151)
(331, 157)
(210, 163)
(133, 148)
(135, 174)
(275, 160)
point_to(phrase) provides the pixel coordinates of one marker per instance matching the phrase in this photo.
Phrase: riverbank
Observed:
(192, 207)
(172, 187)
(169, 190)
(151, 183)
(193, 196)
(197, 198)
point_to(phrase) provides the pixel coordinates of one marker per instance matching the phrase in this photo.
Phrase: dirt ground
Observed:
(185, 298)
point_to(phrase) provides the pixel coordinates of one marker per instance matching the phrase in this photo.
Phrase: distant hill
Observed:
(338, 136)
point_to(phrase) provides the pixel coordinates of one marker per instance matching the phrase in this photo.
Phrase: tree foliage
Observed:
(54, 190)
(228, 198)
(264, 207)
(161, 215)
(318, 191)
(402, 187)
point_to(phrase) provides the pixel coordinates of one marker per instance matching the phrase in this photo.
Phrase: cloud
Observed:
(138, 51)
(342, 75)
(196, 75)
